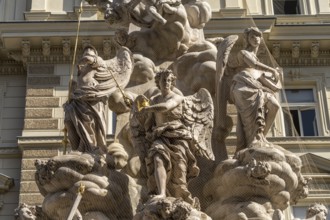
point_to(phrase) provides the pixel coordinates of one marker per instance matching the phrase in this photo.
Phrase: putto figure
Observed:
(317, 211)
(174, 129)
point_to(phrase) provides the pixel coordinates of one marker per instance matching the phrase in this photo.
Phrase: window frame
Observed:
(305, 8)
(299, 5)
(298, 106)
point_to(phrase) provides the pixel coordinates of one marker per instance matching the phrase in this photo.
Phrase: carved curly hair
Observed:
(316, 209)
(166, 73)
(246, 33)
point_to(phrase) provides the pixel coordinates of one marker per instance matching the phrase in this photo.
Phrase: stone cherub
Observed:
(252, 90)
(176, 131)
(316, 211)
(25, 212)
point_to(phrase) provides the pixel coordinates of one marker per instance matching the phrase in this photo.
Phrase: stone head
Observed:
(318, 211)
(248, 32)
(162, 76)
(25, 212)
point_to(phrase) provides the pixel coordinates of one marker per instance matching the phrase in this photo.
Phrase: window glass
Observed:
(309, 122)
(299, 95)
(299, 112)
(286, 7)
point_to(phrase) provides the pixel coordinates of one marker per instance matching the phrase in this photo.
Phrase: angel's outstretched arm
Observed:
(164, 106)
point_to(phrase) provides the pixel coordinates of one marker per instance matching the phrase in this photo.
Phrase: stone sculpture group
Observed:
(169, 87)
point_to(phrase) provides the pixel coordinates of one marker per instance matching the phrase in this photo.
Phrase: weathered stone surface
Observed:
(31, 198)
(44, 81)
(29, 187)
(39, 153)
(28, 164)
(41, 70)
(41, 124)
(268, 171)
(42, 102)
(39, 92)
(27, 175)
(39, 113)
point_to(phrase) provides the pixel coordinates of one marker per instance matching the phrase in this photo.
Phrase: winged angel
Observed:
(177, 129)
(250, 85)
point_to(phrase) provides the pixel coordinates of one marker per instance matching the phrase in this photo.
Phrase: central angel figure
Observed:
(176, 127)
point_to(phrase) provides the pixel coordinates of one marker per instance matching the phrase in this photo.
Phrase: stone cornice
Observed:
(227, 26)
(293, 142)
(11, 68)
(309, 142)
(49, 142)
(10, 152)
(12, 33)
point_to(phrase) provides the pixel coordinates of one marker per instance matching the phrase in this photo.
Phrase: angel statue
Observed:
(252, 88)
(85, 111)
(177, 129)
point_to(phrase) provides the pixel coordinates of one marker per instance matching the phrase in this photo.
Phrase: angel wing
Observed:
(121, 66)
(222, 85)
(198, 114)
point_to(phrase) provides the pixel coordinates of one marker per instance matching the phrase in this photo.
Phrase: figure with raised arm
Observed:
(171, 160)
(169, 142)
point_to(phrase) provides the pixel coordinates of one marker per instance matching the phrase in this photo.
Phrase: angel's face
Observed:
(165, 83)
(321, 216)
(254, 39)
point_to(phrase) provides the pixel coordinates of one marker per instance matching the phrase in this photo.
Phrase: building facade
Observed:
(37, 48)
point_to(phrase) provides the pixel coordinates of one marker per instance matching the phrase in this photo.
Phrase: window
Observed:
(299, 112)
(286, 7)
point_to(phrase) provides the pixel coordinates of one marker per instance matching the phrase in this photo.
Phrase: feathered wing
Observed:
(198, 112)
(121, 66)
(224, 60)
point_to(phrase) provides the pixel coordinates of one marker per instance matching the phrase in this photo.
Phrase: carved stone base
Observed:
(259, 183)
(169, 208)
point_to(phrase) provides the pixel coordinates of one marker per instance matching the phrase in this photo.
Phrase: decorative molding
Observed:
(276, 51)
(66, 47)
(45, 47)
(294, 74)
(295, 50)
(293, 142)
(315, 50)
(85, 42)
(107, 43)
(12, 68)
(50, 141)
(25, 46)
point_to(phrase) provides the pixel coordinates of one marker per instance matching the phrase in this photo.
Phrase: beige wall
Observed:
(10, 166)
(12, 103)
